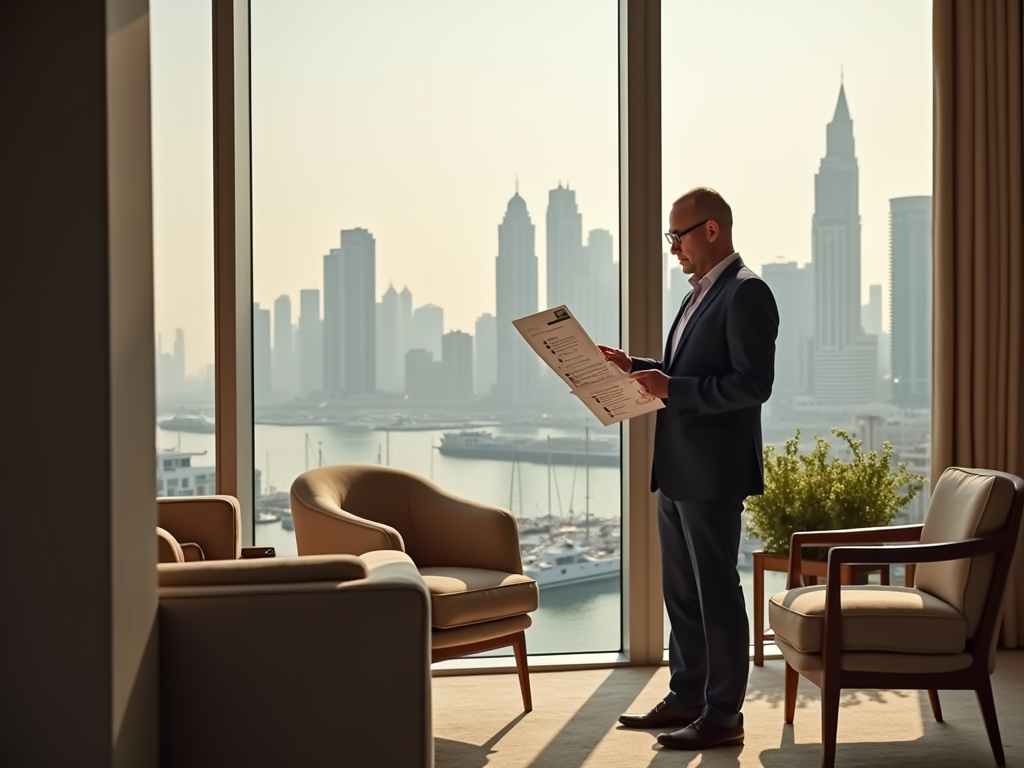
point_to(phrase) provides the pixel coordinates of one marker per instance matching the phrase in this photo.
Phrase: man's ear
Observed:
(713, 231)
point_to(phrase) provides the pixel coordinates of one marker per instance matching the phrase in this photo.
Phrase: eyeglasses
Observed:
(674, 237)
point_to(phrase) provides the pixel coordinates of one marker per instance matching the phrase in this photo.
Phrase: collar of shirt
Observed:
(709, 279)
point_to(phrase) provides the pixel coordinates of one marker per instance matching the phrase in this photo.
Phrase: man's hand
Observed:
(653, 382)
(618, 357)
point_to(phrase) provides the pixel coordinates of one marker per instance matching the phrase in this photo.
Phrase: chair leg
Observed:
(792, 680)
(524, 671)
(829, 722)
(933, 697)
(988, 712)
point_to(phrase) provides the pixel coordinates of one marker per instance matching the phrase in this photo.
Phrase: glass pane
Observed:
(819, 135)
(422, 175)
(182, 109)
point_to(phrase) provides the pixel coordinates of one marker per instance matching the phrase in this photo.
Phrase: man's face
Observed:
(689, 250)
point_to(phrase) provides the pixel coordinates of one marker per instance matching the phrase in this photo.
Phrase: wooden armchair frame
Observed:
(832, 678)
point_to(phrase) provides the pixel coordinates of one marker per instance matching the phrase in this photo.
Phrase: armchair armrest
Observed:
(877, 535)
(327, 529)
(286, 570)
(463, 533)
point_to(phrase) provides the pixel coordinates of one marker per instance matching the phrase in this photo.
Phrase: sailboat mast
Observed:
(549, 483)
(587, 444)
(512, 485)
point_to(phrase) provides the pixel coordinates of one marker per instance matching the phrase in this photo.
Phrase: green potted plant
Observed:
(812, 493)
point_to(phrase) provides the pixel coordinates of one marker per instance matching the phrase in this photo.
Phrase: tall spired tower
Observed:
(516, 273)
(845, 358)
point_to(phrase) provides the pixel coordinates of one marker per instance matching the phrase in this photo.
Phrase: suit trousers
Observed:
(709, 643)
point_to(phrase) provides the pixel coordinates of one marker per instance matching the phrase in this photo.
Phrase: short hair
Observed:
(708, 204)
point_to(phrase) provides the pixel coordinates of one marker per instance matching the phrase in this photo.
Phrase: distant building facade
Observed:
(845, 361)
(485, 354)
(261, 379)
(910, 296)
(793, 287)
(457, 364)
(516, 296)
(310, 343)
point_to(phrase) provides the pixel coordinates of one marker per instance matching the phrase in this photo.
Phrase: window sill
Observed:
(551, 663)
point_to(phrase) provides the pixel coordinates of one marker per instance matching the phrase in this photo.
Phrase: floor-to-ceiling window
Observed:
(182, 109)
(814, 120)
(423, 174)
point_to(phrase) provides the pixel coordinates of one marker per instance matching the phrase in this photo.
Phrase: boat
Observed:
(189, 423)
(480, 444)
(570, 557)
(566, 563)
(267, 516)
(405, 423)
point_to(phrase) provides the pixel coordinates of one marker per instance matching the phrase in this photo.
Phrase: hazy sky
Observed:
(414, 119)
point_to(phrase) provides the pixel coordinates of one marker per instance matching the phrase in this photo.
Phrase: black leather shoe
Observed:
(662, 716)
(701, 734)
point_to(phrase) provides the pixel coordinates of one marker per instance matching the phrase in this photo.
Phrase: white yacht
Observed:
(567, 563)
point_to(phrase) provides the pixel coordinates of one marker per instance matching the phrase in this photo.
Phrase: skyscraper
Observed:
(311, 343)
(845, 358)
(262, 393)
(485, 354)
(359, 334)
(516, 294)
(350, 315)
(179, 357)
(283, 355)
(405, 316)
(910, 296)
(457, 364)
(599, 296)
(427, 329)
(422, 375)
(390, 343)
(333, 325)
(564, 249)
(871, 322)
(793, 286)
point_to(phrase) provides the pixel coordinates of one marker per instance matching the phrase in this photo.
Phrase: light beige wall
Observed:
(78, 655)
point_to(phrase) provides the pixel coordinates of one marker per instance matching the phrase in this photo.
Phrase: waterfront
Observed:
(574, 618)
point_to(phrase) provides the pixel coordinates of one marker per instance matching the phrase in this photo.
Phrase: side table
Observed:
(853, 573)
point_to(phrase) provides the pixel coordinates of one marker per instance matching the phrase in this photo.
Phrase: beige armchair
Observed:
(468, 553)
(940, 634)
(311, 661)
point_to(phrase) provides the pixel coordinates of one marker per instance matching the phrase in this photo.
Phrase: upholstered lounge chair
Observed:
(318, 661)
(940, 634)
(467, 552)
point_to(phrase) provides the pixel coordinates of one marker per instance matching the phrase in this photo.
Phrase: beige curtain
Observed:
(978, 325)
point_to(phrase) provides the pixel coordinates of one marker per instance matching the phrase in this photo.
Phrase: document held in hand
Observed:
(601, 385)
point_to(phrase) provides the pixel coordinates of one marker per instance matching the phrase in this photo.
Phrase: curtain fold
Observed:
(978, 276)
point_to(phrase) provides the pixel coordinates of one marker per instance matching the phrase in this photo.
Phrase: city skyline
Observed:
(403, 140)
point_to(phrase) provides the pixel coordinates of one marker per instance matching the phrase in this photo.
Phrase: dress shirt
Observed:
(700, 289)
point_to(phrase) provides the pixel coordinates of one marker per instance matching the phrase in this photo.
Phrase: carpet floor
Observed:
(478, 722)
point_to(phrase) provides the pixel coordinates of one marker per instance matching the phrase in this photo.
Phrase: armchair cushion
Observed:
(461, 596)
(875, 618)
(966, 503)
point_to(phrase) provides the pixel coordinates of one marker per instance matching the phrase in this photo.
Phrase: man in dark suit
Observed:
(717, 370)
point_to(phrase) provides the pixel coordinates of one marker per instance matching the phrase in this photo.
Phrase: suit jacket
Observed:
(707, 443)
